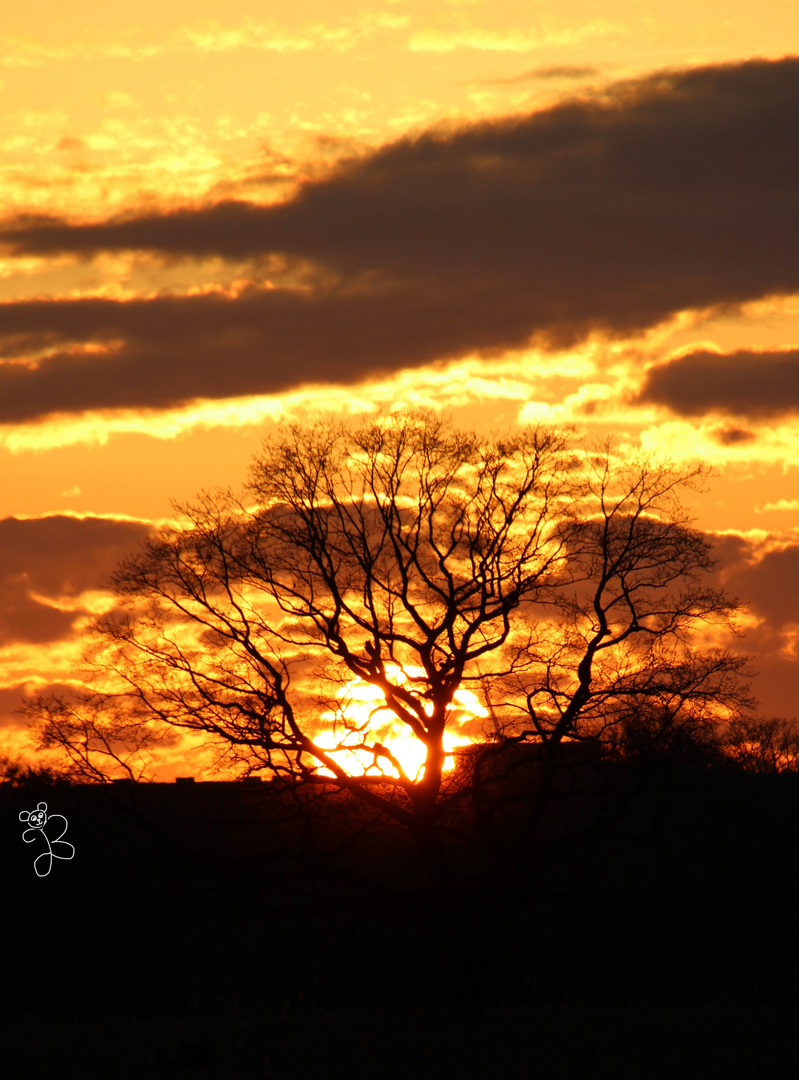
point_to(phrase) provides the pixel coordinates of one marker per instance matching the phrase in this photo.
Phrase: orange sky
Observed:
(215, 216)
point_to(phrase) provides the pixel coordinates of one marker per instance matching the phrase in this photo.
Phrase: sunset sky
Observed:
(214, 216)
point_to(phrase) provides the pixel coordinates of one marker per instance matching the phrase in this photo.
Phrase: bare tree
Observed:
(16, 773)
(630, 651)
(395, 553)
(408, 556)
(762, 745)
(99, 735)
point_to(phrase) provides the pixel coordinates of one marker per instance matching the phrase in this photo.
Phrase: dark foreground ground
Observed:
(206, 938)
(562, 1039)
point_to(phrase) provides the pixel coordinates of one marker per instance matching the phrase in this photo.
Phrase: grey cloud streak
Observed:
(769, 585)
(55, 557)
(757, 385)
(772, 584)
(607, 213)
(556, 71)
(177, 349)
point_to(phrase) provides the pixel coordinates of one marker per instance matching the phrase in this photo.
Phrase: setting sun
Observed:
(362, 716)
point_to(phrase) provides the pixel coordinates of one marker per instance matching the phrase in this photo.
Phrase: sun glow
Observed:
(362, 720)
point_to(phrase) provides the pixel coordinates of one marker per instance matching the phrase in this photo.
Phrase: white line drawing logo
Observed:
(56, 847)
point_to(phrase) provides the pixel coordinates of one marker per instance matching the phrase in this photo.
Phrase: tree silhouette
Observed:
(762, 745)
(100, 736)
(405, 555)
(16, 773)
(622, 653)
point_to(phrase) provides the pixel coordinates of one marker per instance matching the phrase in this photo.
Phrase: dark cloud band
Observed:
(607, 213)
(55, 558)
(756, 385)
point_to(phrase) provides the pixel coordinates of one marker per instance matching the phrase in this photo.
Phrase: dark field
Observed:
(562, 1039)
(211, 933)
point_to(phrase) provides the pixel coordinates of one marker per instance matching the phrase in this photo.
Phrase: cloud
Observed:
(46, 561)
(771, 585)
(734, 436)
(210, 36)
(779, 505)
(558, 71)
(10, 700)
(604, 214)
(207, 36)
(23, 618)
(64, 555)
(432, 39)
(756, 385)
(180, 349)
(27, 53)
(71, 142)
(764, 575)
(14, 730)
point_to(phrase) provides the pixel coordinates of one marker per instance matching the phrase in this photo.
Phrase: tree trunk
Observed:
(432, 854)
